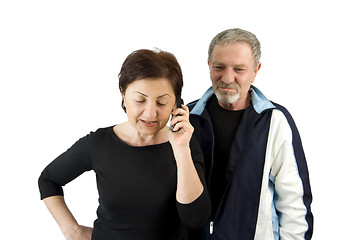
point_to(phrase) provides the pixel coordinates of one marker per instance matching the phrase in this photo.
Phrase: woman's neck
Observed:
(132, 137)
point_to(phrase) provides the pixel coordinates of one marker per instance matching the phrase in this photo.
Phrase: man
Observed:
(255, 165)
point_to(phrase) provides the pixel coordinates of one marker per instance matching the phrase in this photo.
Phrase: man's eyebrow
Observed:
(240, 65)
(222, 64)
(217, 63)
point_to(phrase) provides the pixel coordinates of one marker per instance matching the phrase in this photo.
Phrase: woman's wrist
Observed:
(181, 152)
(70, 230)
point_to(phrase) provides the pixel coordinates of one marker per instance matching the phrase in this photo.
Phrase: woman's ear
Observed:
(123, 99)
(123, 104)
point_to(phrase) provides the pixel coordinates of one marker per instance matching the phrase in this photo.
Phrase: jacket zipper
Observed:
(212, 162)
(211, 227)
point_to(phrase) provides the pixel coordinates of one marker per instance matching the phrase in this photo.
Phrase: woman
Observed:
(150, 179)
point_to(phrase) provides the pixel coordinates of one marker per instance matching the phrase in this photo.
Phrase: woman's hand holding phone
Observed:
(180, 129)
(178, 104)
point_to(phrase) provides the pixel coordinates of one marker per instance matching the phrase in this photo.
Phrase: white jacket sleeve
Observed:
(288, 184)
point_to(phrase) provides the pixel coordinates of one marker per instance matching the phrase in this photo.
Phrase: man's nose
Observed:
(228, 76)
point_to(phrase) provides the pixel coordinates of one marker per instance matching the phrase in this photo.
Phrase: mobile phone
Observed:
(179, 101)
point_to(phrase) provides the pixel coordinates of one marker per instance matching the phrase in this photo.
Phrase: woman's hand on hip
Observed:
(80, 233)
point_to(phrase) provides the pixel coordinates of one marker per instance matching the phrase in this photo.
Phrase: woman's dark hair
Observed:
(145, 63)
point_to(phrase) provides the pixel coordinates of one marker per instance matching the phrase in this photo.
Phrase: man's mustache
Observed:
(221, 84)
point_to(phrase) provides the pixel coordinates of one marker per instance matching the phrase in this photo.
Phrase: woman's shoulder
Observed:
(101, 130)
(99, 134)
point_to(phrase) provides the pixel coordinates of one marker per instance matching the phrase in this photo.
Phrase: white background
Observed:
(59, 62)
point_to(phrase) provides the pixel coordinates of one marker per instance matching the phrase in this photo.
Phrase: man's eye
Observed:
(239, 69)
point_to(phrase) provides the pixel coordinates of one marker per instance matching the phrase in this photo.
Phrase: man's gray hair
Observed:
(236, 35)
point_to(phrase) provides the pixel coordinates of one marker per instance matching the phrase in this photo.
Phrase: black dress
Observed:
(136, 185)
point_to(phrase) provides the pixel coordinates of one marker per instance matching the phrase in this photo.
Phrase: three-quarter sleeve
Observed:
(69, 165)
(195, 214)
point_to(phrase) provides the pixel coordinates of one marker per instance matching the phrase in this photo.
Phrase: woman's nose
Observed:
(150, 111)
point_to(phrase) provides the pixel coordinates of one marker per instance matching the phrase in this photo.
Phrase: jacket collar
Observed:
(258, 99)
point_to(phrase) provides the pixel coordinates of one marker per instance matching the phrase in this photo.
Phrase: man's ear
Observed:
(257, 68)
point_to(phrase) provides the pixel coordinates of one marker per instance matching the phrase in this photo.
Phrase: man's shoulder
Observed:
(279, 106)
(192, 104)
(200, 103)
(282, 109)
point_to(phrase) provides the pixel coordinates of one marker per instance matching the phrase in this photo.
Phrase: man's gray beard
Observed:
(227, 98)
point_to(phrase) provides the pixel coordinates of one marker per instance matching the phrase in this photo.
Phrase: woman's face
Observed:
(149, 103)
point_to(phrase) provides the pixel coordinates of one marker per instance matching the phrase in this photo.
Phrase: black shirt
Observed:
(225, 124)
(136, 185)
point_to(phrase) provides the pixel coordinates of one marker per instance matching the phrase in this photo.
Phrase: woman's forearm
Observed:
(61, 214)
(189, 186)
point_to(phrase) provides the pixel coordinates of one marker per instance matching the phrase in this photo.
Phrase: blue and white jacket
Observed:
(268, 193)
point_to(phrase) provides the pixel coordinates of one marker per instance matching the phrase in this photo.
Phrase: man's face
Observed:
(232, 72)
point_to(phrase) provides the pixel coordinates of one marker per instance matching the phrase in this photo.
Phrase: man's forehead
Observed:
(235, 53)
(229, 43)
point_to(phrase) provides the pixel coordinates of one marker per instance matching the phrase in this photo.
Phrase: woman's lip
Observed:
(148, 123)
